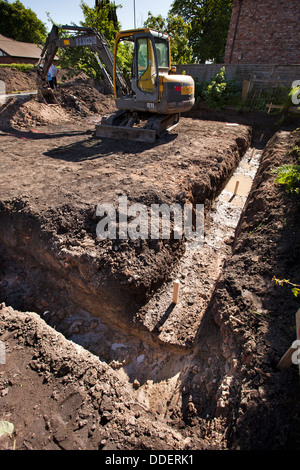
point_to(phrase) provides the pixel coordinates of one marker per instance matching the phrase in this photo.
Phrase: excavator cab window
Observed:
(146, 66)
(125, 57)
(150, 54)
(162, 53)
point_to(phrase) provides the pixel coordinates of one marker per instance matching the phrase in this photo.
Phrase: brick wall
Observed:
(264, 32)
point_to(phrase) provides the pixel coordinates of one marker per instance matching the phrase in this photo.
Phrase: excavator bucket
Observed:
(46, 95)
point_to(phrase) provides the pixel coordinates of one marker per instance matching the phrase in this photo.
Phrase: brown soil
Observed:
(76, 99)
(147, 375)
(17, 81)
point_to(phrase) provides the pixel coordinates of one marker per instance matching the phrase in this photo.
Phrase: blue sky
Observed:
(67, 11)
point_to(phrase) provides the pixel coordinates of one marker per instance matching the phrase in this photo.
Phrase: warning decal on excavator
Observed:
(187, 90)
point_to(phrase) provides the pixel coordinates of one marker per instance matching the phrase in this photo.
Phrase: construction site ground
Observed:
(97, 357)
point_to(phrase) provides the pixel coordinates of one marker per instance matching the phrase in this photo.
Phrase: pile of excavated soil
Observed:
(59, 396)
(75, 100)
(83, 99)
(18, 81)
(28, 112)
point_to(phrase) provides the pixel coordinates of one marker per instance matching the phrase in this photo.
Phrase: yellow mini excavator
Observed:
(150, 102)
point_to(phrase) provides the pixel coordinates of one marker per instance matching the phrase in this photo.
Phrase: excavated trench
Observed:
(149, 341)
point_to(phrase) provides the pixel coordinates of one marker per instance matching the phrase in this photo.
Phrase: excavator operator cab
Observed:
(154, 86)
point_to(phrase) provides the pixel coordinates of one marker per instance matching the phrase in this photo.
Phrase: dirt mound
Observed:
(76, 100)
(28, 112)
(82, 98)
(17, 81)
(70, 399)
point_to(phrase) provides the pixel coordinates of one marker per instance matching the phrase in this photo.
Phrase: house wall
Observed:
(17, 60)
(264, 32)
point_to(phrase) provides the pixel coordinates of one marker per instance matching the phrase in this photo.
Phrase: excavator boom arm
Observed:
(87, 37)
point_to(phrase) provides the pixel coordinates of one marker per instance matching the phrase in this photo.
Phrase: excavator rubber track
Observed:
(135, 126)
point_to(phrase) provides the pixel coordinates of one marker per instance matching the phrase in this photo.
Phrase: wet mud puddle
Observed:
(229, 205)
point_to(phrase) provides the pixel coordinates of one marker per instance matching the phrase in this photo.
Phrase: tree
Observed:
(103, 18)
(209, 21)
(20, 23)
(174, 25)
(112, 12)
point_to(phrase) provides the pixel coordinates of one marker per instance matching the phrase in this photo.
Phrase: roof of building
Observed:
(19, 49)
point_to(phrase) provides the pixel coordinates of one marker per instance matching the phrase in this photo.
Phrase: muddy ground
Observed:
(106, 361)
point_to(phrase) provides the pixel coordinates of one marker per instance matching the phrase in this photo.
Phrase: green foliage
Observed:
(209, 22)
(288, 101)
(221, 92)
(174, 25)
(21, 67)
(158, 23)
(289, 177)
(82, 58)
(125, 58)
(200, 88)
(20, 23)
(101, 19)
(6, 428)
(112, 13)
(295, 151)
(258, 98)
(281, 282)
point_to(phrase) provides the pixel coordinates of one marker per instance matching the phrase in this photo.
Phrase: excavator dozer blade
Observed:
(120, 125)
(127, 133)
